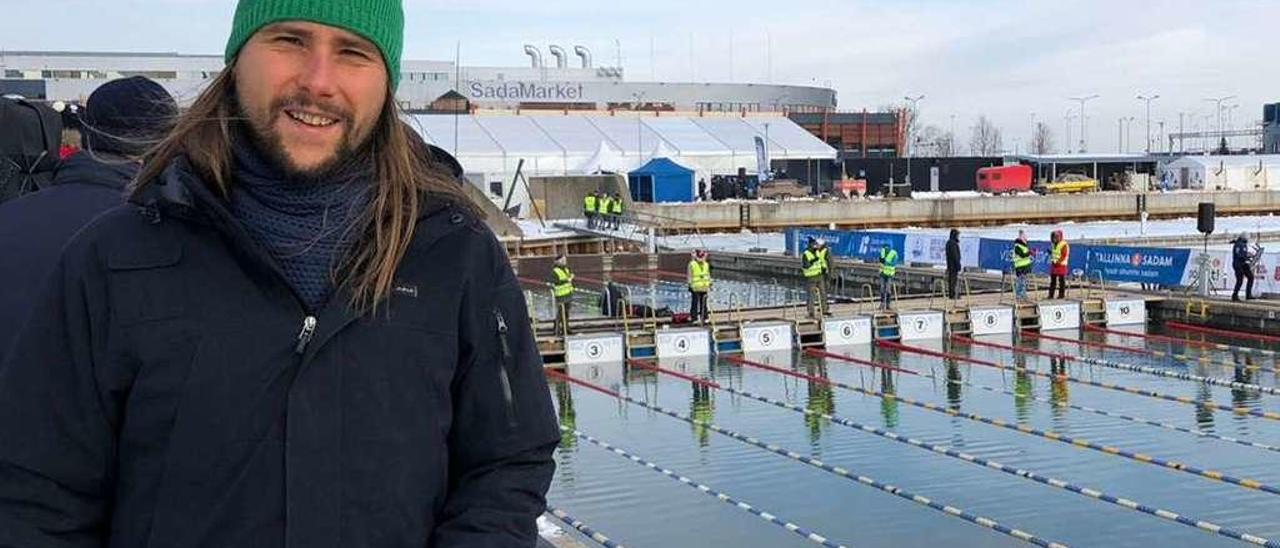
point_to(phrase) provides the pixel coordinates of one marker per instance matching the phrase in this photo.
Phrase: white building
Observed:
(72, 76)
(1254, 172)
(491, 146)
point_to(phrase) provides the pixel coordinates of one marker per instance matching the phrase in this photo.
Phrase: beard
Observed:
(262, 131)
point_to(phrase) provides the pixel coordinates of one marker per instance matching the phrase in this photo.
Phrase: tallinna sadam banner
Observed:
(1137, 264)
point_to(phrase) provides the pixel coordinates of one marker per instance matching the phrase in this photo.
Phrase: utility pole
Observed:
(1148, 100)
(1084, 128)
(1066, 131)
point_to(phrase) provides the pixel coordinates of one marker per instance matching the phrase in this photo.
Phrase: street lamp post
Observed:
(1217, 101)
(914, 113)
(639, 97)
(1148, 100)
(1084, 120)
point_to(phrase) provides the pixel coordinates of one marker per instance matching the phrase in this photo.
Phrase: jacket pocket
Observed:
(144, 284)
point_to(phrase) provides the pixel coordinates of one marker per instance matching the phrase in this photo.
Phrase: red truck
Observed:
(1004, 179)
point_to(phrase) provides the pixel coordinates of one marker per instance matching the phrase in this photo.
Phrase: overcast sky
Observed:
(1008, 60)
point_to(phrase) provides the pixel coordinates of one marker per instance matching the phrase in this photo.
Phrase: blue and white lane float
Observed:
(1019, 472)
(583, 528)
(1185, 400)
(1135, 368)
(1215, 475)
(816, 463)
(807, 534)
(1262, 352)
(1085, 408)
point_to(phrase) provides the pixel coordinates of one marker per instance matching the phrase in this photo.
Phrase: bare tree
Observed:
(986, 139)
(1042, 139)
(910, 120)
(936, 142)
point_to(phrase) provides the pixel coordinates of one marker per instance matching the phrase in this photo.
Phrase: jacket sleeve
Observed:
(504, 428)
(57, 443)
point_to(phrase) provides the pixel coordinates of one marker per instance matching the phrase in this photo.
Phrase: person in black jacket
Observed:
(298, 333)
(1242, 264)
(953, 264)
(120, 119)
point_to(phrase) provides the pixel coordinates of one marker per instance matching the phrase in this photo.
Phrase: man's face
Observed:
(311, 93)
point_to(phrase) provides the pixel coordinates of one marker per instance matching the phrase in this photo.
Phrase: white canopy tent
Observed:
(490, 146)
(1254, 172)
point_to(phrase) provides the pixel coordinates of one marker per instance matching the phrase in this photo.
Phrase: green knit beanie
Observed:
(379, 21)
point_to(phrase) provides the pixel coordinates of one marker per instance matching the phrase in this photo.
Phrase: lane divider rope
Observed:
(1144, 369)
(583, 528)
(816, 463)
(994, 465)
(707, 490)
(1208, 404)
(1085, 408)
(1045, 434)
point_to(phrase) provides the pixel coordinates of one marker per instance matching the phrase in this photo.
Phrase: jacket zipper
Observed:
(503, 377)
(304, 336)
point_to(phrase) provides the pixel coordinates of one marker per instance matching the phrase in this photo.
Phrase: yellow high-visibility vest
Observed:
(1061, 252)
(603, 205)
(616, 206)
(815, 264)
(889, 262)
(1019, 260)
(589, 203)
(564, 281)
(824, 256)
(699, 276)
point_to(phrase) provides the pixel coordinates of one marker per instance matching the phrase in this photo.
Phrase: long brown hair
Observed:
(405, 176)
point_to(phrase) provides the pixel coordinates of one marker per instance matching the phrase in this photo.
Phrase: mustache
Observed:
(302, 101)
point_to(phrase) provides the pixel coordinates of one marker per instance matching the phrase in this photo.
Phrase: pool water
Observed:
(635, 506)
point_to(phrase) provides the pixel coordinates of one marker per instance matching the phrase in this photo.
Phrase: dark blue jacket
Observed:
(1240, 253)
(35, 227)
(169, 390)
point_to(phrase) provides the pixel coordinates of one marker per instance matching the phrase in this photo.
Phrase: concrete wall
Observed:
(561, 197)
(961, 211)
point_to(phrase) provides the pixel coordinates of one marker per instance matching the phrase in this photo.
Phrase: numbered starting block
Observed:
(766, 336)
(1059, 315)
(921, 325)
(678, 343)
(992, 320)
(1126, 312)
(847, 331)
(594, 348)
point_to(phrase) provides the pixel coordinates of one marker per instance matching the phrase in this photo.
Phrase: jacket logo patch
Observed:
(408, 290)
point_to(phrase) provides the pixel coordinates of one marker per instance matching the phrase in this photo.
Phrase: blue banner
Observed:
(866, 245)
(1137, 264)
(998, 255)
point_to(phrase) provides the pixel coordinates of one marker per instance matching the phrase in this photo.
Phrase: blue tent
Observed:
(661, 180)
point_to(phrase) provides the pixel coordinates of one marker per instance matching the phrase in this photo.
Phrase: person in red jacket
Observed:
(1059, 256)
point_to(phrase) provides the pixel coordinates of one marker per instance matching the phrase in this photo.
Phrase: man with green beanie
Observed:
(298, 333)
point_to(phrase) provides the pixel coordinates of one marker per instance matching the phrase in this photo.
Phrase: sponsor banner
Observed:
(1138, 264)
(866, 245)
(998, 255)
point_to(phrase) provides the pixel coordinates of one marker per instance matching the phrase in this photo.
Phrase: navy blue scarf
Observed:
(307, 226)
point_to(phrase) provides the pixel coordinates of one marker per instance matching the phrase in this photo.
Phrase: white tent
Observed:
(491, 146)
(1224, 172)
(605, 159)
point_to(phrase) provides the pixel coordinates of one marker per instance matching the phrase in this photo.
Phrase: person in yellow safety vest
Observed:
(602, 211)
(699, 286)
(1059, 258)
(562, 290)
(589, 209)
(1022, 261)
(824, 255)
(888, 269)
(811, 261)
(615, 209)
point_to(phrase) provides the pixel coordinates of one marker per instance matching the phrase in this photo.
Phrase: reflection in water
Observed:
(955, 394)
(889, 403)
(822, 399)
(568, 417)
(1022, 388)
(1244, 372)
(1059, 388)
(703, 408)
(1204, 414)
